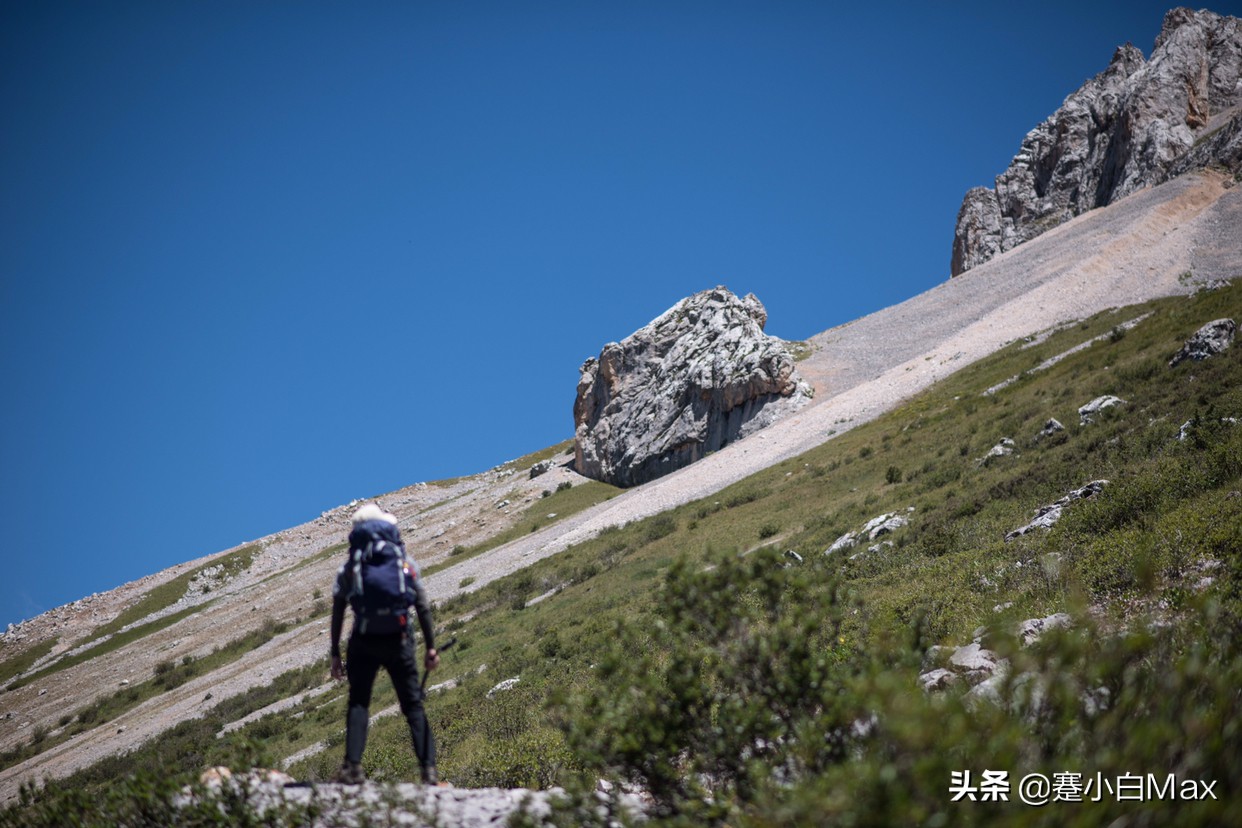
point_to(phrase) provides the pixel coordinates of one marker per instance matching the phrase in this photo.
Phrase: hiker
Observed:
(381, 585)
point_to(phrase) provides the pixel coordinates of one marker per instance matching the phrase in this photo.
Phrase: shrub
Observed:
(660, 526)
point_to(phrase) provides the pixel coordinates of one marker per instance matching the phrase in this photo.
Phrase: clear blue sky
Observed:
(261, 258)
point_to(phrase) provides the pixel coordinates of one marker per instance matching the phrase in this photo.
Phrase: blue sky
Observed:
(258, 259)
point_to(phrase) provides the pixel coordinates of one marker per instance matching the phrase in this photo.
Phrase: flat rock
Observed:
(1086, 413)
(974, 657)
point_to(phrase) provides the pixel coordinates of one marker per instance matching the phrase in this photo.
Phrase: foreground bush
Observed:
(744, 704)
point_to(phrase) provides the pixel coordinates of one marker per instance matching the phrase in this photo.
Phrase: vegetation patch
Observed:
(556, 505)
(116, 642)
(14, 665)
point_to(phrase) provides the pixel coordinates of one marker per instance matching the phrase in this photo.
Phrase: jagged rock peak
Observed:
(1133, 125)
(696, 378)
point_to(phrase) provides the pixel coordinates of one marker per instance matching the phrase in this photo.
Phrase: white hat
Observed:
(370, 511)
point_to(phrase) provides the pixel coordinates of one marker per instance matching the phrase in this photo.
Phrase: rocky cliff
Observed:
(1137, 123)
(693, 380)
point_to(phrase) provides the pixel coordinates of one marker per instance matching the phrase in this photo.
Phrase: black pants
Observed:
(395, 653)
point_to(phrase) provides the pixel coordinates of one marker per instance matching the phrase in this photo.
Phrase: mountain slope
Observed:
(1139, 248)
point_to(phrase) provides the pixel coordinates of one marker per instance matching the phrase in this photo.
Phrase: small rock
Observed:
(1048, 515)
(1002, 449)
(507, 684)
(1211, 339)
(974, 657)
(1031, 629)
(844, 542)
(1086, 413)
(1050, 428)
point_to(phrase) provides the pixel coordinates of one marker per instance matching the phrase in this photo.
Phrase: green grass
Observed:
(13, 665)
(562, 449)
(561, 503)
(116, 642)
(167, 594)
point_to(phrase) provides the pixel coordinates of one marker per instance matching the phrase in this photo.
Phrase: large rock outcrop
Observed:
(698, 377)
(1137, 123)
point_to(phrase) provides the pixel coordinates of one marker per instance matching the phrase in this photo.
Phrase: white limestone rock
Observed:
(1134, 125)
(1086, 413)
(1210, 340)
(700, 376)
(1047, 516)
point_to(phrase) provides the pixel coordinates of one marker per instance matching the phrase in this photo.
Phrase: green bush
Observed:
(732, 677)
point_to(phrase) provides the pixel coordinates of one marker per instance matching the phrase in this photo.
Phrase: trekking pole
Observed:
(427, 673)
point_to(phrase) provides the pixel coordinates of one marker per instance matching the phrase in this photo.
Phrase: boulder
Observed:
(700, 376)
(1002, 449)
(1210, 340)
(884, 524)
(978, 667)
(1136, 124)
(974, 657)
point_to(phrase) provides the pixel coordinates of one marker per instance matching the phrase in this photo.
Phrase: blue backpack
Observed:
(381, 579)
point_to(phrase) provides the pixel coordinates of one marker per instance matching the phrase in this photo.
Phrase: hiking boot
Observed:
(350, 774)
(430, 777)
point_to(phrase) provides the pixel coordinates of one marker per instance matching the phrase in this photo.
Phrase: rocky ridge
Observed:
(700, 376)
(1136, 124)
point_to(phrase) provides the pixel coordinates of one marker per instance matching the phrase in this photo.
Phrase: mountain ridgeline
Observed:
(1136, 124)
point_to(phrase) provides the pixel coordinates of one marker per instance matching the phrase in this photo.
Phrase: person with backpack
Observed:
(381, 585)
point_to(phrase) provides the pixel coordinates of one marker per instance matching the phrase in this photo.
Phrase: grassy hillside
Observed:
(689, 654)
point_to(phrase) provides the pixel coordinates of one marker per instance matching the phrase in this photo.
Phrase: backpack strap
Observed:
(357, 573)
